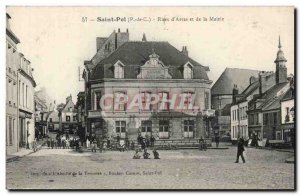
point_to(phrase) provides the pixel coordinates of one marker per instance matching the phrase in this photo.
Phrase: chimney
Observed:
(252, 79)
(144, 39)
(119, 30)
(120, 38)
(235, 92)
(185, 51)
(266, 81)
(127, 30)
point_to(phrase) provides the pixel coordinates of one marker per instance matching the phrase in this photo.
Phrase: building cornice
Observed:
(12, 36)
(151, 80)
(21, 71)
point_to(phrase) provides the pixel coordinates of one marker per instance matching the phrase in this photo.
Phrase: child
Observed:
(155, 154)
(146, 154)
(136, 155)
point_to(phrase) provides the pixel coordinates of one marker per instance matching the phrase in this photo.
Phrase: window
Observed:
(26, 96)
(206, 99)
(163, 99)
(119, 71)
(146, 128)
(121, 128)
(275, 118)
(278, 135)
(287, 116)
(74, 118)
(164, 129)
(23, 99)
(119, 101)
(265, 116)
(68, 118)
(188, 99)
(188, 128)
(188, 72)
(233, 132)
(50, 120)
(10, 130)
(97, 100)
(145, 99)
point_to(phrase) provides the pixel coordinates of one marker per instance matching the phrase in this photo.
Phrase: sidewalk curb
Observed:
(16, 157)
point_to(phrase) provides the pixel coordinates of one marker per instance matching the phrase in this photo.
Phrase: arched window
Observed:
(119, 71)
(188, 72)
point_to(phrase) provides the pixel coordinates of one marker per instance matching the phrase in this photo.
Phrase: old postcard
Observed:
(148, 98)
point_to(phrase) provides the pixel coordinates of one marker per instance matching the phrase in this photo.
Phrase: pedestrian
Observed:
(240, 150)
(143, 145)
(67, 144)
(48, 143)
(55, 144)
(217, 139)
(136, 155)
(63, 144)
(146, 154)
(108, 142)
(52, 143)
(118, 139)
(155, 154)
(132, 145)
(76, 144)
(94, 146)
(139, 139)
(127, 143)
(88, 143)
(201, 143)
(147, 141)
(152, 140)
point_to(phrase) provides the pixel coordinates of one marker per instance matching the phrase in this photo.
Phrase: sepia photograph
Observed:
(150, 98)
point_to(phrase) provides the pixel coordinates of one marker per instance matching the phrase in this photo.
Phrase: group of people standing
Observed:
(63, 142)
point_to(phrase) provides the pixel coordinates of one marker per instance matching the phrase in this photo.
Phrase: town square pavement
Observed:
(177, 169)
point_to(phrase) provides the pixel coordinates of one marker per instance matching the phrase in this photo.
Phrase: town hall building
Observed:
(145, 87)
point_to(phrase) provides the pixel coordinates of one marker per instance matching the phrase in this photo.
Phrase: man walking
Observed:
(240, 150)
(217, 139)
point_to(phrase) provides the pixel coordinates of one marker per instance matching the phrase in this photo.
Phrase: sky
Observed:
(56, 41)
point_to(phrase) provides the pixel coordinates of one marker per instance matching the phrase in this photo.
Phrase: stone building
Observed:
(12, 66)
(145, 87)
(26, 85)
(68, 117)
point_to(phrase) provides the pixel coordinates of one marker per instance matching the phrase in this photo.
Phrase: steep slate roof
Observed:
(231, 76)
(288, 95)
(248, 91)
(270, 99)
(226, 110)
(134, 54)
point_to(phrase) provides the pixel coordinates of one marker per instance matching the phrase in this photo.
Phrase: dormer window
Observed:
(188, 71)
(119, 70)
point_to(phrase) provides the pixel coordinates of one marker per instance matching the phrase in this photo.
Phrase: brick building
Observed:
(156, 72)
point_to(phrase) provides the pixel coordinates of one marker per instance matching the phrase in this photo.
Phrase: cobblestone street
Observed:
(180, 169)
